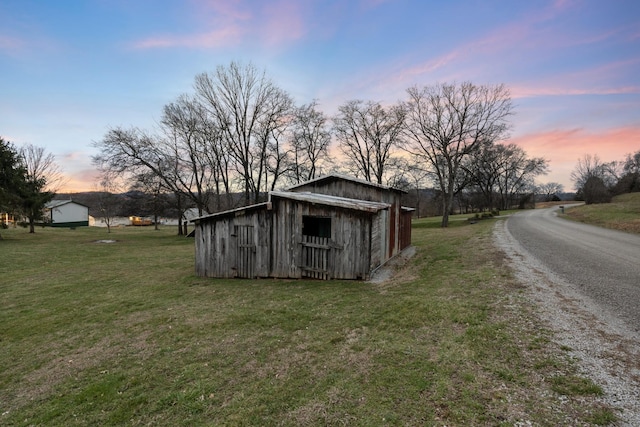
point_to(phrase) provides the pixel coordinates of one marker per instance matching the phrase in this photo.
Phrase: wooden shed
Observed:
(296, 234)
(293, 235)
(398, 219)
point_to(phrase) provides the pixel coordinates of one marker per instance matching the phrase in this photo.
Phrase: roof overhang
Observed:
(341, 177)
(233, 212)
(334, 201)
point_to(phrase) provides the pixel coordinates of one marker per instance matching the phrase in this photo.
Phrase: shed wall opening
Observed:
(316, 226)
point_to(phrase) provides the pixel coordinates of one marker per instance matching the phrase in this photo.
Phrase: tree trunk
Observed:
(447, 201)
(446, 207)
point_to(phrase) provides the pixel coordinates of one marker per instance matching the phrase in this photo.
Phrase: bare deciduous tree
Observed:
(191, 138)
(44, 177)
(368, 135)
(632, 163)
(410, 176)
(550, 189)
(151, 185)
(41, 164)
(270, 149)
(445, 124)
(310, 139)
(517, 173)
(128, 153)
(591, 166)
(108, 187)
(502, 173)
(248, 108)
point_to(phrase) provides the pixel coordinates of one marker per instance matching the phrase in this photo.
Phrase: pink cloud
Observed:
(516, 39)
(231, 9)
(523, 91)
(219, 24)
(217, 38)
(233, 22)
(563, 147)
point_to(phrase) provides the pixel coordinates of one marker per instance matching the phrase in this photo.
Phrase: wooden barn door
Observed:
(245, 251)
(315, 257)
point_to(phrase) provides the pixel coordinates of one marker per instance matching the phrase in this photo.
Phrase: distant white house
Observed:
(67, 213)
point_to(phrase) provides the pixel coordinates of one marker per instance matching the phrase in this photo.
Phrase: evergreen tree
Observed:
(12, 178)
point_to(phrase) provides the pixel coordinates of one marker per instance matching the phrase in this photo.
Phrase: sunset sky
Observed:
(71, 69)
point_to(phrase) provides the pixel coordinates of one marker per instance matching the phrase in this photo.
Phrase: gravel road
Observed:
(586, 282)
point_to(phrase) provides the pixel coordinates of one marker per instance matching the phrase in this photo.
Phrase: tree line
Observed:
(597, 181)
(238, 131)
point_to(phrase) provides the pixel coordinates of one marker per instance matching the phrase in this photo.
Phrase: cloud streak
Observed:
(538, 34)
(228, 36)
(225, 24)
(593, 81)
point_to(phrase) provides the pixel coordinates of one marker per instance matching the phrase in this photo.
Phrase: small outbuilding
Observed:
(398, 218)
(67, 213)
(300, 233)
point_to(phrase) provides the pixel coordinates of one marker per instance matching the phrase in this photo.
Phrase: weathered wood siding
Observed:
(267, 240)
(362, 191)
(286, 232)
(379, 238)
(316, 256)
(351, 235)
(234, 245)
(348, 256)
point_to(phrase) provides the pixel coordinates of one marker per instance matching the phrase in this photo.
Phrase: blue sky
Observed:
(70, 69)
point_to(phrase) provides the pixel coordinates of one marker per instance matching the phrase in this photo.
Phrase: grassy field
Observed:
(123, 333)
(623, 213)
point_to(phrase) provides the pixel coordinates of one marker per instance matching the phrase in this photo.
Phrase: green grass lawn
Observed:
(623, 213)
(124, 333)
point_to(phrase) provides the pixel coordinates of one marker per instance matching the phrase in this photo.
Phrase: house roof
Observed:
(323, 199)
(57, 203)
(341, 177)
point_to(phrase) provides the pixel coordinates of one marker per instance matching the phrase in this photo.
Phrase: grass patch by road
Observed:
(623, 213)
(123, 333)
